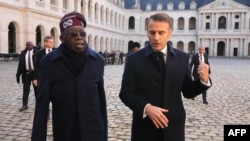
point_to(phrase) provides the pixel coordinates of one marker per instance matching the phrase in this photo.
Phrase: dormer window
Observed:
(148, 7)
(170, 6)
(159, 6)
(193, 5)
(181, 5)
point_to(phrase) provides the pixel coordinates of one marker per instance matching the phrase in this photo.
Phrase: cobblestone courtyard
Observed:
(229, 103)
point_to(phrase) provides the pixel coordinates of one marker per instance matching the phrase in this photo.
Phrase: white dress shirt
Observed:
(27, 60)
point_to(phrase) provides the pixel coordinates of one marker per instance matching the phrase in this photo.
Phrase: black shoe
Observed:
(205, 102)
(23, 108)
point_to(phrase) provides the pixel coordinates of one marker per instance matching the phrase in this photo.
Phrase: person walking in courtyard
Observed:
(26, 70)
(154, 80)
(48, 47)
(121, 55)
(71, 78)
(200, 57)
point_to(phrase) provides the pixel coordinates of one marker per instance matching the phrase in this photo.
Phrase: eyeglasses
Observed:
(75, 34)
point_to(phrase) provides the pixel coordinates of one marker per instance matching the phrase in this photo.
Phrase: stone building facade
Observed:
(222, 26)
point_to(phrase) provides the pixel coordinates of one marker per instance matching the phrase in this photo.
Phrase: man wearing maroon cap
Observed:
(71, 78)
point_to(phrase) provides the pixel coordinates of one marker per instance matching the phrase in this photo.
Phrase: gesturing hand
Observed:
(156, 114)
(203, 71)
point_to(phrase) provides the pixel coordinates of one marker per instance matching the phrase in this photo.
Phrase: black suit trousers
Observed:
(26, 87)
(204, 93)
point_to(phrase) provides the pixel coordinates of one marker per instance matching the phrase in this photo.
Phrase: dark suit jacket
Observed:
(21, 64)
(38, 57)
(194, 63)
(142, 84)
(79, 103)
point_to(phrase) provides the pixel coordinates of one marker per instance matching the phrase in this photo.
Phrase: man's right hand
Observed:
(156, 114)
(18, 80)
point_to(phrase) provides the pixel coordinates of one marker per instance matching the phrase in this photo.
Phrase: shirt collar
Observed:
(169, 50)
(164, 50)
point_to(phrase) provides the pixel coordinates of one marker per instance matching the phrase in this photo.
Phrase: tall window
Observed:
(222, 23)
(236, 25)
(131, 24)
(146, 26)
(53, 2)
(192, 23)
(207, 25)
(181, 23)
(65, 4)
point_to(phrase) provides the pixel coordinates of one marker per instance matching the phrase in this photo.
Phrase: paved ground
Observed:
(229, 103)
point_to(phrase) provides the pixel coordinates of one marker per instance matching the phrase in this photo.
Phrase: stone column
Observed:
(215, 47)
(211, 52)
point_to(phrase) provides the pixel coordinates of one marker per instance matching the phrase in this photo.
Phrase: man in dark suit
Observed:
(26, 69)
(71, 78)
(48, 47)
(154, 79)
(121, 55)
(199, 57)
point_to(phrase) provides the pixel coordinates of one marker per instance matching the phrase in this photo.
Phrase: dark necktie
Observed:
(201, 58)
(161, 61)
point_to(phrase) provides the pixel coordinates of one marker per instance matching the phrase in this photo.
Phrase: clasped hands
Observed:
(156, 114)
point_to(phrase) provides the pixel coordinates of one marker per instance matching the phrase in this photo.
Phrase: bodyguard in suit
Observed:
(48, 47)
(26, 69)
(199, 57)
(154, 80)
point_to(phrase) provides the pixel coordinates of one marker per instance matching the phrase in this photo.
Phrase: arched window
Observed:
(65, 4)
(181, 23)
(12, 38)
(131, 24)
(38, 35)
(192, 23)
(222, 23)
(146, 22)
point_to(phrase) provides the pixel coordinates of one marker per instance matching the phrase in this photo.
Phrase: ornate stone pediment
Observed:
(223, 4)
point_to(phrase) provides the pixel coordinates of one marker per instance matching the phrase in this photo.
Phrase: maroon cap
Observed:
(72, 19)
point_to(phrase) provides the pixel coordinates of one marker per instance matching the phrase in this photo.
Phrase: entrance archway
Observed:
(12, 38)
(249, 49)
(130, 45)
(191, 48)
(38, 36)
(207, 50)
(235, 53)
(221, 49)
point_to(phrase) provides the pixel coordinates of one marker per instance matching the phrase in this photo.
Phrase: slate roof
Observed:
(129, 3)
